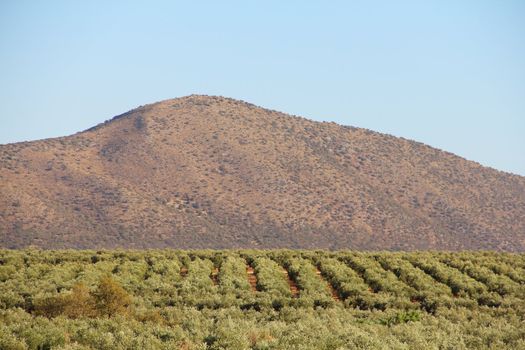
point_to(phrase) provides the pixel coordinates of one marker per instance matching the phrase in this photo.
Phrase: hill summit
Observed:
(213, 172)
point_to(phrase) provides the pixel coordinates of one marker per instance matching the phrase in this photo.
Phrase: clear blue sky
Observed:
(447, 73)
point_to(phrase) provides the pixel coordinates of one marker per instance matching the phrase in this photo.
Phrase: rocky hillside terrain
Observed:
(213, 172)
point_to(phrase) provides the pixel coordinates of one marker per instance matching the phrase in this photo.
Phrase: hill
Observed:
(213, 172)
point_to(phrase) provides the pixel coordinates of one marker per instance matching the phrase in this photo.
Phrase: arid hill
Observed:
(212, 172)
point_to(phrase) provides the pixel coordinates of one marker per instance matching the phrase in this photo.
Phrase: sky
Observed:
(450, 74)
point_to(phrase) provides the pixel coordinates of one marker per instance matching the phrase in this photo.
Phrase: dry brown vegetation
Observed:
(109, 299)
(200, 171)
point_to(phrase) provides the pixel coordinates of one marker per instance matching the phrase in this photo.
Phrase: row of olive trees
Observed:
(498, 283)
(352, 288)
(401, 281)
(461, 284)
(313, 291)
(377, 277)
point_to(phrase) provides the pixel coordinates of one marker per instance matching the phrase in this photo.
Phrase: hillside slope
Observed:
(212, 172)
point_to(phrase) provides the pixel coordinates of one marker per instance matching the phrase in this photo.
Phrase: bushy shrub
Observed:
(108, 299)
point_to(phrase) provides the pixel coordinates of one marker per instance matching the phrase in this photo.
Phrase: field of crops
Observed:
(167, 299)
